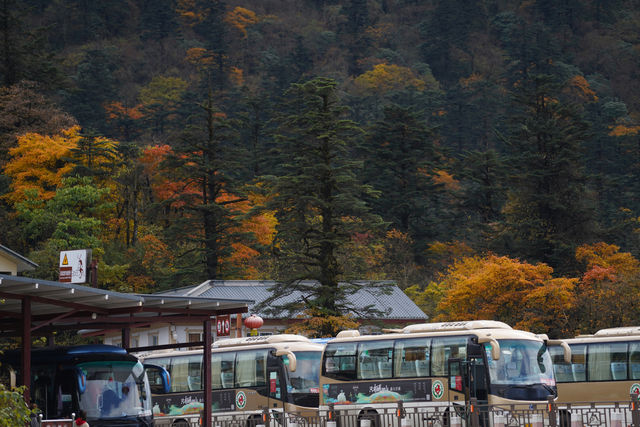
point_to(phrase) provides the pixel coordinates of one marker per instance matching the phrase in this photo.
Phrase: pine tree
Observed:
(204, 164)
(318, 199)
(402, 164)
(548, 211)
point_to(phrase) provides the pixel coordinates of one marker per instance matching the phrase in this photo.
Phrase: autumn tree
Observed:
(523, 295)
(318, 200)
(39, 162)
(609, 287)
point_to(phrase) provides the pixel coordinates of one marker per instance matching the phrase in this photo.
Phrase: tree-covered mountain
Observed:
(173, 137)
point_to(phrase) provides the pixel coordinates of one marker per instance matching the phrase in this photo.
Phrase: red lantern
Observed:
(253, 322)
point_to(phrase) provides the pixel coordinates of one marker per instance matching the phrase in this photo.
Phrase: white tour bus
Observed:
(436, 364)
(280, 372)
(605, 367)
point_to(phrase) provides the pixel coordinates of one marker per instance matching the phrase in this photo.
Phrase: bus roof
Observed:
(480, 328)
(454, 326)
(263, 339)
(616, 332)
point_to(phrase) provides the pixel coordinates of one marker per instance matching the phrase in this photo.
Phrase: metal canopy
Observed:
(40, 307)
(59, 306)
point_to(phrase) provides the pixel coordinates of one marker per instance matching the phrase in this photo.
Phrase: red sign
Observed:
(65, 275)
(223, 325)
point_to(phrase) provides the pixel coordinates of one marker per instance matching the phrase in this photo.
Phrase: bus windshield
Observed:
(521, 363)
(306, 378)
(114, 389)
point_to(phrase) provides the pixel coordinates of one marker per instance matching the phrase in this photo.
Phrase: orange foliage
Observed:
(385, 78)
(199, 56)
(240, 18)
(190, 13)
(38, 163)
(471, 80)
(624, 130)
(579, 86)
(236, 76)
(115, 110)
(447, 180)
(609, 290)
(520, 294)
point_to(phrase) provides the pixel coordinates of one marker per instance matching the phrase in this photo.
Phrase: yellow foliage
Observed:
(240, 18)
(38, 163)
(163, 90)
(384, 78)
(318, 325)
(607, 256)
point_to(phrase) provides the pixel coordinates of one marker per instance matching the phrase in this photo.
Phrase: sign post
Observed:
(74, 266)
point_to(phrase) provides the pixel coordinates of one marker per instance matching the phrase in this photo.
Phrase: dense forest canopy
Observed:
(452, 146)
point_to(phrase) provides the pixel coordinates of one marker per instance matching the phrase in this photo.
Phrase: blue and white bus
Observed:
(106, 382)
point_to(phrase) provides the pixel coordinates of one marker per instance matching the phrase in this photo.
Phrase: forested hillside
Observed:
(484, 154)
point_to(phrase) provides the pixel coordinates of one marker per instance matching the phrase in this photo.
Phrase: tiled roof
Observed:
(386, 296)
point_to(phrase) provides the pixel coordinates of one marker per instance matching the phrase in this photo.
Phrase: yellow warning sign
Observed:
(65, 261)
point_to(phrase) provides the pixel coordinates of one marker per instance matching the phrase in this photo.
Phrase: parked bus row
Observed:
(425, 366)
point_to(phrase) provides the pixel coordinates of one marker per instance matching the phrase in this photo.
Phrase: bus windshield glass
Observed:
(521, 363)
(114, 389)
(304, 383)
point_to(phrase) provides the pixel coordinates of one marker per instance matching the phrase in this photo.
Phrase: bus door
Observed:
(467, 379)
(275, 386)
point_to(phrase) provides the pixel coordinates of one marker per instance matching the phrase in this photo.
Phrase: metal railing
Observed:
(544, 414)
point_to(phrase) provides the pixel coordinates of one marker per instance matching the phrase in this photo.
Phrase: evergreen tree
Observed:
(548, 212)
(204, 164)
(401, 167)
(318, 200)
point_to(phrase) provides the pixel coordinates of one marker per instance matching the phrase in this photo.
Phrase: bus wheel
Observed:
(371, 415)
(180, 423)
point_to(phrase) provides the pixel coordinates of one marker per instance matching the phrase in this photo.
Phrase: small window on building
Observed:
(153, 339)
(195, 337)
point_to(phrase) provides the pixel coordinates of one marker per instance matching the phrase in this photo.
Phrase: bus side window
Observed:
(562, 369)
(634, 360)
(444, 349)
(340, 361)
(412, 357)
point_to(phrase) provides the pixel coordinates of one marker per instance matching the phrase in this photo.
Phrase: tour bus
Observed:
(605, 367)
(106, 382)
(280, 372)
(435, 364)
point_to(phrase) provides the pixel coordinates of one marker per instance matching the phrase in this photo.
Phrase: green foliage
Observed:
(13, 408)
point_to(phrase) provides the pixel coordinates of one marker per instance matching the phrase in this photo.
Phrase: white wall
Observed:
(6, 265)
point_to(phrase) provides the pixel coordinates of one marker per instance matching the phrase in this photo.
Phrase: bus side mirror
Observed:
(292, 358)
(495, 347)
(159, 379)
(565, 347)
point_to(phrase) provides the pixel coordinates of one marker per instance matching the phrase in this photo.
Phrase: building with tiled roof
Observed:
(385, 296)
